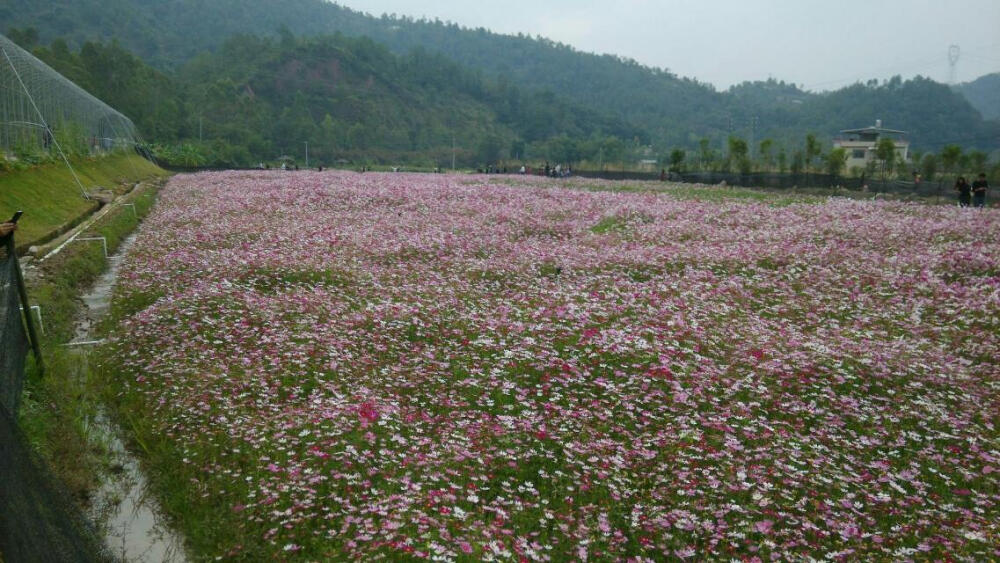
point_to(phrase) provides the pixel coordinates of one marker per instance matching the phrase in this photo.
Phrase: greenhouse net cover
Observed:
(41, 110)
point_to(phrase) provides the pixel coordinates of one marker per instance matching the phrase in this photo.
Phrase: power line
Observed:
(895, 69)
(982, 58)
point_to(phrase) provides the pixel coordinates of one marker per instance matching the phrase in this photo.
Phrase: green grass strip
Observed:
(51, 199)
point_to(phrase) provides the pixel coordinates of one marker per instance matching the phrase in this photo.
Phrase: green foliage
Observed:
(798, 162)
(737, 158)
(50, 198)
(677, 159)
(885, 152)
(489, 149)
(766, 158)
(58, 406)
(812, 150)
(929, 166)
(123, 81)
(977, 162)
(836, 159)
(259, 100)
(25, 38)
(950, 156)
(535, 87)
(984, 94)
(706, 154)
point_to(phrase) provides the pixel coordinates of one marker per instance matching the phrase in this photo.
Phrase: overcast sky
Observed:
(819, 44)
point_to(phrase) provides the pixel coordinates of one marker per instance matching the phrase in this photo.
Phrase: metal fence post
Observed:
(32, 335)
(104, 243)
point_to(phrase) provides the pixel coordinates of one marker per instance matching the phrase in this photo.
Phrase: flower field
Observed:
(337, 365)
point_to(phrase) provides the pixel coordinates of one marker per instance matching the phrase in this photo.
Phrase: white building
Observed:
(860, 144)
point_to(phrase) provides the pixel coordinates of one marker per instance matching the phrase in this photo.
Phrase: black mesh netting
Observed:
(13, 340)
(38, 520)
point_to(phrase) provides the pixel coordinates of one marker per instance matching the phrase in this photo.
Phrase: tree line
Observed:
(662, 109)
(350, 99)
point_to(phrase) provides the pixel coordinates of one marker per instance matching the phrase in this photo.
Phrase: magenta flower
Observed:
(368, 413)
(764, 526)
(396, 366)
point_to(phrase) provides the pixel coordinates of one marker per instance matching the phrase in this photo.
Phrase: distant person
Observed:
(979, 188)
(663, 174)
(522, 170)
(964, 192)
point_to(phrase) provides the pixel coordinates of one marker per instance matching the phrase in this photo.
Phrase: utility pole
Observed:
(725, 141)
(307, 153)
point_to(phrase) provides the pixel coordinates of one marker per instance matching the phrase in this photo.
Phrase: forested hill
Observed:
(664, 109)
(167, 33)
(932, 114)
(256, 98)
(984, 94)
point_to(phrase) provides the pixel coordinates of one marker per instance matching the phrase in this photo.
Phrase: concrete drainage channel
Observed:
(135, 528)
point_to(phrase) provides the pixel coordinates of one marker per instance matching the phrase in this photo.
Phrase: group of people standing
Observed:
(971, 194)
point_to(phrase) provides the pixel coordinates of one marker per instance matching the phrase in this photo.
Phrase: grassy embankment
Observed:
(52, 200)
(56, 407)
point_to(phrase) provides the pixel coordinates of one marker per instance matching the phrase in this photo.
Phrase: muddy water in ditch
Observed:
(135, 528)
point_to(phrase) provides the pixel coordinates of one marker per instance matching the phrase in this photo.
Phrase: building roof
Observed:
(873, 129)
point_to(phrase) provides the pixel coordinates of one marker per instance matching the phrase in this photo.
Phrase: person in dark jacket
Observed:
(964, 192)
(979, 188)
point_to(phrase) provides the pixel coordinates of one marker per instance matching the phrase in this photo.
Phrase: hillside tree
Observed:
(835, 160)
(766, 158)
(813, 150)
(677, 159)
(977, 161)
(737, 153)
(928, 166)
(950, 157)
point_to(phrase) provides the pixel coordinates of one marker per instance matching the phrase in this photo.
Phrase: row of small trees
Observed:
(811, 158)
(769, 158)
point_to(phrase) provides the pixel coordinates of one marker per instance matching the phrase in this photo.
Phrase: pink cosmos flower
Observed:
(764, 526)
(368, 413)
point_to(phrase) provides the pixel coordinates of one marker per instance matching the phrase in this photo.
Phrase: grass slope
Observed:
(51, 199)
